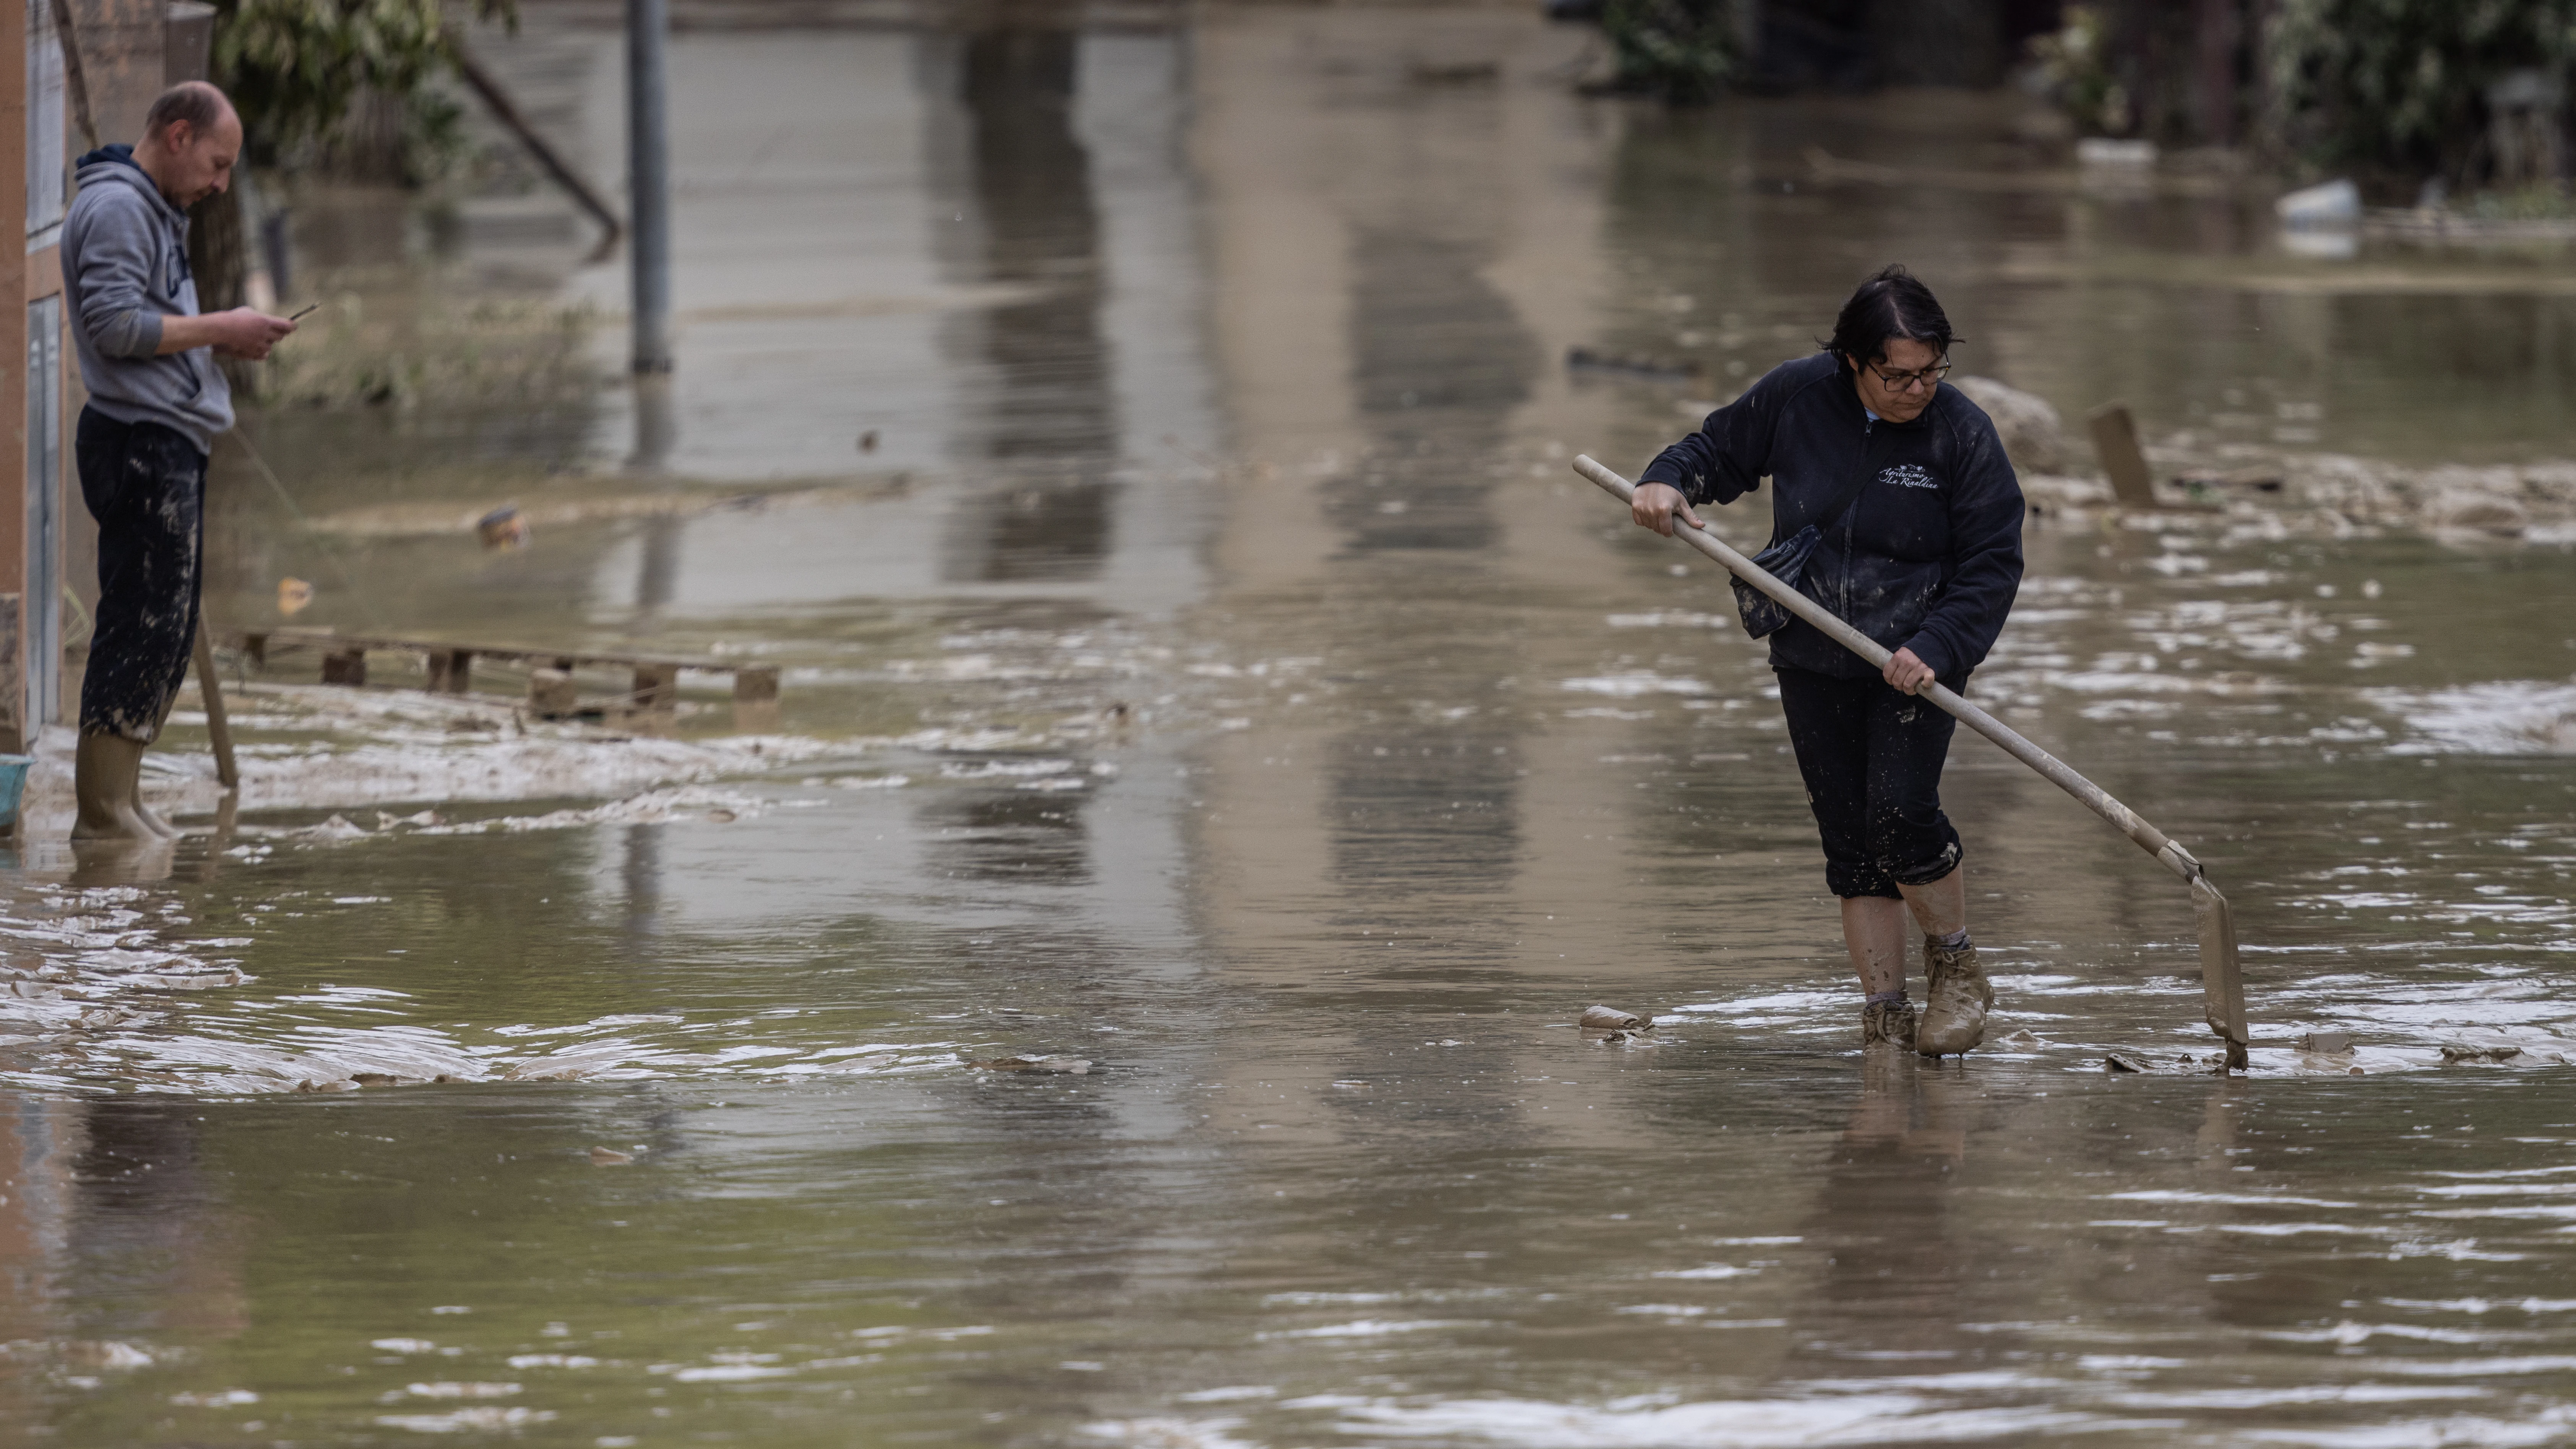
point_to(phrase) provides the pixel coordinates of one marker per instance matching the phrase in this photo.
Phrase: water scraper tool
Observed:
(2222, 985)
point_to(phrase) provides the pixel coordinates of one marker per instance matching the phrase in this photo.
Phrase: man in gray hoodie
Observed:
(156, 402)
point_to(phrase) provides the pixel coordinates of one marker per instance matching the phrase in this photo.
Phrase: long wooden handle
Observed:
(2218, 957)
(219, 729)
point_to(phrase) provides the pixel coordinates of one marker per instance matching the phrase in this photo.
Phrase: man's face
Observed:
(201, 162)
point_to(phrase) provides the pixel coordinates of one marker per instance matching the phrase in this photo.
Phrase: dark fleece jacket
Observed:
(1928, 558)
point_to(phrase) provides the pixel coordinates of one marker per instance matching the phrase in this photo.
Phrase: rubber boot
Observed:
(1887, 1022)
(107, 778)
(1954, 1012)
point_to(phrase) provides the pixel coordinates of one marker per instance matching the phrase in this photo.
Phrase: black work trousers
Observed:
(146, 486)
(1872, 761)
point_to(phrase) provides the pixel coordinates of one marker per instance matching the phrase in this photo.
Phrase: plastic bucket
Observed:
(13, 787)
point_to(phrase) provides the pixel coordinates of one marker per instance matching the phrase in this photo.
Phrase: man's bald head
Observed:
(196, 103)
(191, 138)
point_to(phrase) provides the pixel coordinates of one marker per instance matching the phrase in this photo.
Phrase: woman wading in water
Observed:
(1917, 545)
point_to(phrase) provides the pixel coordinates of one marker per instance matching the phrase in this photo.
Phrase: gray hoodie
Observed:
(125, 267)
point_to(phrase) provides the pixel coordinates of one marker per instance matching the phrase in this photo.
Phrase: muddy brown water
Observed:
(1216, 675)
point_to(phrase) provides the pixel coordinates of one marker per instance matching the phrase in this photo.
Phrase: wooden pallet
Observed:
(550, 691)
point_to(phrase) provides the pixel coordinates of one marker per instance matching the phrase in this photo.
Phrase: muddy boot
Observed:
(1954, 1016)
(106, 781)
(1888, 1022)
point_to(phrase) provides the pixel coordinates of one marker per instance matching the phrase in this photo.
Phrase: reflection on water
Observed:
(1048, 412)
(1213, 675)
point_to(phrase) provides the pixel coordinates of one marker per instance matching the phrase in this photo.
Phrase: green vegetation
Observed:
(1683, 51)
(2075, 63)
(298, 69)
(2402, 86)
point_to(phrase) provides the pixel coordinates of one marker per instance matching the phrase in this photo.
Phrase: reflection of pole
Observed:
(648, 172)
(656, 426)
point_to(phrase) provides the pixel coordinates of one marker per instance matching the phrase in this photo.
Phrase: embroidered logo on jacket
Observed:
(1908, 475)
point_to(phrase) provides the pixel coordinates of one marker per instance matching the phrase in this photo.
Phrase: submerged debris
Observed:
(1074, 1066)
(609, 1157)
(1610, 1018)
(1659, 369)
(2123, 1062)
(2327, 1043)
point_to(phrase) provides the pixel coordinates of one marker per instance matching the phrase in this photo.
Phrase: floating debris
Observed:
(503, 527)
(292, 596)
(2119, 1062)
(1584, 359)
(609, 1157)
(2326, 1043)
(1074, 1066)
(2453, 1056)
(1611, 1018)
(1455, 72)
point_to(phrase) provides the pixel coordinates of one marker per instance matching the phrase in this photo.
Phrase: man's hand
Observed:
(249, 333)
(1656, 505)
(1907, 673)
(244, 332)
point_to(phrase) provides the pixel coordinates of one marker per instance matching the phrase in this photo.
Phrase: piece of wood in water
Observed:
(2256, 479)
(1611, 1018)
(2115, 442)
(2452, 1056)
(1073, 1066)
(755, 684)
(2123, 1062)
(657, 686)
(551, 695)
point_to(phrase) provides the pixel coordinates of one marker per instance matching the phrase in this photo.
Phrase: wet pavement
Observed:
(1215, 677)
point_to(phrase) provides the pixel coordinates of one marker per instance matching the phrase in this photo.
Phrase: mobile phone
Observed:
(300, 316)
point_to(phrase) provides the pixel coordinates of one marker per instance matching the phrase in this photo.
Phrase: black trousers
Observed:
(1872, 761)
(146, 486)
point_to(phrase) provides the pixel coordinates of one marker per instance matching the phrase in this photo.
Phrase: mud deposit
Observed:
(1213, 676)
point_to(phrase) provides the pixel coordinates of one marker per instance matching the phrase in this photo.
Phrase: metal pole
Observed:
(2222, 983)
(648, 170)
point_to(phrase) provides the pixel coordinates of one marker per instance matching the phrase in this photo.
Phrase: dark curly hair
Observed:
(1893, 303)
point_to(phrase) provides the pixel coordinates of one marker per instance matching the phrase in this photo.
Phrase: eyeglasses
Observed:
(1905, 381)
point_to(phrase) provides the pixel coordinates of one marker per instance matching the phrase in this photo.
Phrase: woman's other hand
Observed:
(1655, 505)
(1907, 673)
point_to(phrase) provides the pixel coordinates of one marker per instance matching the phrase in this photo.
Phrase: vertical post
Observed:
(24, 48)
(648, 173)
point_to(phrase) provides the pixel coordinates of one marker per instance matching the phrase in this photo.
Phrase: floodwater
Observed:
(1214, 675)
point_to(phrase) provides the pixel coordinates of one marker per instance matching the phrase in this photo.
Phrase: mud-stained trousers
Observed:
(146, 486)
(1872, 761)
